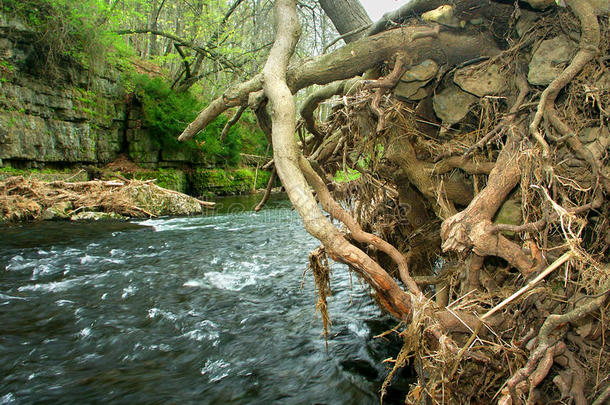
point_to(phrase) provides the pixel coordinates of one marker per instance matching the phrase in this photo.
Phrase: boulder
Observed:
(550, 59)
(480, 81)
(452, 104)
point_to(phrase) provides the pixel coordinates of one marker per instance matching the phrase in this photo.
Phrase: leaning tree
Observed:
(475, 135)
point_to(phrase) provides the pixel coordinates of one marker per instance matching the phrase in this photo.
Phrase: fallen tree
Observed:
(479, 217)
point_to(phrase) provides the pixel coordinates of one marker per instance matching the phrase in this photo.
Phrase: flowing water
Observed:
(206, 310)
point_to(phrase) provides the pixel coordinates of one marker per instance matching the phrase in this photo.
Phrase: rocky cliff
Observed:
(78, 118)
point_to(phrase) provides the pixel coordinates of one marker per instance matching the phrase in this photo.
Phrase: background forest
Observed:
(175, 56)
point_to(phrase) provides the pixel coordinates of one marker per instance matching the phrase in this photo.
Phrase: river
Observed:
(205, 310)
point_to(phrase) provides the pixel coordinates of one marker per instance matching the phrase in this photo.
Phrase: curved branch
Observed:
(336, 211)
(187, 67)
(286, 156)
(412, 8)
(232, 122)
(316, 98)
(263, 200)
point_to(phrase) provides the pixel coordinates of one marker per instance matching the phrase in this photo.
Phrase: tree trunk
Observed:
(347, 16)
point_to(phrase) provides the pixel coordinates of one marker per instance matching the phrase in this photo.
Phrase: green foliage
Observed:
(6, 71)
(67, 32)
(166, 178)
(167, 113)
(343, 177)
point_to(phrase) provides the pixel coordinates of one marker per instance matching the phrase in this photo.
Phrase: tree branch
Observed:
(355, 58)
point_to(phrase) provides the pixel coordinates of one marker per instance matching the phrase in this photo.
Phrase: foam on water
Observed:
(177, 312)
(216, 370)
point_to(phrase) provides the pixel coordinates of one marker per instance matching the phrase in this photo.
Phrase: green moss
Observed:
(167, 112)
(43, 175)
(166, 178)
(223, 182)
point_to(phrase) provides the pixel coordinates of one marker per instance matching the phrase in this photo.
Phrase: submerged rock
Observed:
(96, 216)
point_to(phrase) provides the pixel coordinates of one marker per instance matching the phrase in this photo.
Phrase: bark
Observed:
(268, 189)
(497, 157)
(347, 16)
(183, 42)
(473, 228)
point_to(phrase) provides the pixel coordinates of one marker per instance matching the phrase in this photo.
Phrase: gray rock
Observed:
(588, 135)
(410, 86)
(598, 140)
(96, 216)
(525, 22)
(600, 7)
(603, 83)
(58, 211)
(422, 72)
(444, 14)
(452, 104)
(142, 149)
(479, 81)
(410, 91)
(550, 59)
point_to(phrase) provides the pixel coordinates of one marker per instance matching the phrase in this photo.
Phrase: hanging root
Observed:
(318, 263)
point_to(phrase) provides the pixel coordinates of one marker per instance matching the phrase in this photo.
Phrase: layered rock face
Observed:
(77, 118)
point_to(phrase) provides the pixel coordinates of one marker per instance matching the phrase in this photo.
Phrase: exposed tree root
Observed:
(453, 225)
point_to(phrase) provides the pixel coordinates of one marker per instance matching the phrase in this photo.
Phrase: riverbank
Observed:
(24, 199)
(196, 182)
(118, 191)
